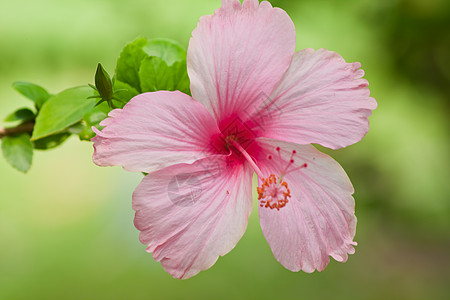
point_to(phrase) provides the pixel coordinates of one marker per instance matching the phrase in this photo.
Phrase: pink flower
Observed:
(258, 106)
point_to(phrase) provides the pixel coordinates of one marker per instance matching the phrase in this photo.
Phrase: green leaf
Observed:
(93, 118)
(76, 128)
(51, 141)
(129, 62)
(86, 134)
(156, 75)
(18, 151)
(102, 107)
(22, 114)
(33, 92)
(62, 111)
(124, 92)
(166, 49)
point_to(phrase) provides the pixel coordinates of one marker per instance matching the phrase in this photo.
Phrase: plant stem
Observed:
(22, 128)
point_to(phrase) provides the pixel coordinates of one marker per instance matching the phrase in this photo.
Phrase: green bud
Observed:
(104, 84)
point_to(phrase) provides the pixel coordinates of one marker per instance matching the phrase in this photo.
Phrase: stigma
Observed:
(273, 193)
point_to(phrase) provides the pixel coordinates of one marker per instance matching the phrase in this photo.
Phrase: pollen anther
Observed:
(273, 193)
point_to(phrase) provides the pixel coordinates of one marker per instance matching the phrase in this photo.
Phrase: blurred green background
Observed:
(66, 228)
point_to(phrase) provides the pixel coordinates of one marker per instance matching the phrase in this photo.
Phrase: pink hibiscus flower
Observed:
(257, 106)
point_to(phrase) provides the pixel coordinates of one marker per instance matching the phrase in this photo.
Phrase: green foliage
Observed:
(93, 118)
(18, 151)
(124, 92)
(156, 75)
(129, 62)
(62, 111)
(22, 114)
(51, 141)
(168, 50)
(153, 65)
(33, 92)
(143, 66)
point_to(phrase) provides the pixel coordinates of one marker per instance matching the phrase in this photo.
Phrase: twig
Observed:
(25, 127)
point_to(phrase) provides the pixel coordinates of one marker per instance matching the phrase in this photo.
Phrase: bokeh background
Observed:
(66, 228)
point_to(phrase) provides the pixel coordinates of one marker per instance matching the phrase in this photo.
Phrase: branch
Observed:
(23, 128)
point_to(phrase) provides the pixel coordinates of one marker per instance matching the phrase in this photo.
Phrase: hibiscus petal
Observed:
(154, 130)
(189, 215)
(319, 220)
(320, 99)
(237, 55)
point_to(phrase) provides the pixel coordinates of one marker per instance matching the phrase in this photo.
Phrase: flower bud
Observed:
(103, 84)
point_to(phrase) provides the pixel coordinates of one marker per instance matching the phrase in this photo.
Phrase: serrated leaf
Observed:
(156, 75)
(22, 114)
(33, 92)
(62, 111)
(124, 92)
(129, 62)
(51, 141)
(18, 151)
(166, 49)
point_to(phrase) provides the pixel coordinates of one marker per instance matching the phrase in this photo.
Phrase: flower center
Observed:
(235, 129)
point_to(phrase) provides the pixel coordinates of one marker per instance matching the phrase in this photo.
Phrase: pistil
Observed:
(247, 156)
